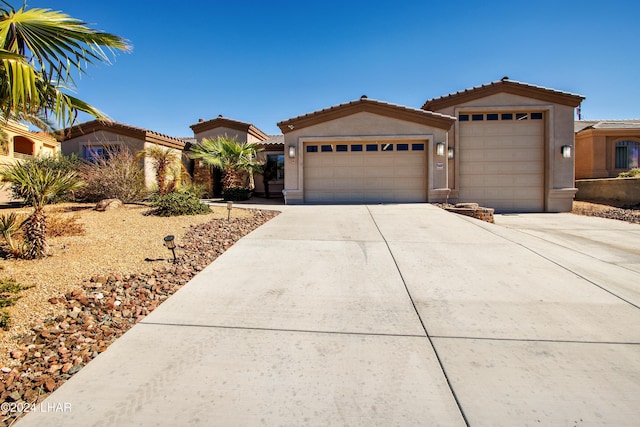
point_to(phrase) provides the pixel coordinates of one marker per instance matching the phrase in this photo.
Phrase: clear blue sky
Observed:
(267, 61)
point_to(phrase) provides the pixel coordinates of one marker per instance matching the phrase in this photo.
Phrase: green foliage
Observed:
(164, 162)
(9, 226)
(40, 51)
(179, 203)
(236, 159)
(633, 173)
(38, 185)
(64, 164)
(117, 176)
(236, 194)
(40, 181)
(9, 291)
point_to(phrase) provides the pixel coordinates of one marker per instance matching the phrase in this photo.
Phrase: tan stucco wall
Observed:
(42, 143)
(228, 132)
(362, 126)
(595, 151)
(104, 138)
(613, 190)
(559, 128)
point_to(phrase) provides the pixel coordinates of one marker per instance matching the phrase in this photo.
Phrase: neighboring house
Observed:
(18, 142)
(21, 143)
(605, 148)
(272, 154)
(505, 145)
(94, 139)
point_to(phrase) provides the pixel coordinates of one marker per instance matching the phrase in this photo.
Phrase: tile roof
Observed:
(121, 128)
(221, 121)
(365, 104)
(504, 85)
(274, 140)
(580, 125)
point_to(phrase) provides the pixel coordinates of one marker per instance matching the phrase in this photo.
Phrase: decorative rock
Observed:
(108, 205)
(58, 348)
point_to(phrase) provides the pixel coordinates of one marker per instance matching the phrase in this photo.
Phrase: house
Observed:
(95, 139)
(18, 142)
(605, 148)
(272, 154)
(505, 145)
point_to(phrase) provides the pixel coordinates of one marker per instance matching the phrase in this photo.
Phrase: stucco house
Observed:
(605, 148)
(94, 139)
(506, 145)
(21, 143)
(272, 154)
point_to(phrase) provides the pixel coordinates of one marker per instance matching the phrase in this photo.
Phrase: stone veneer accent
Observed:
(473, 210)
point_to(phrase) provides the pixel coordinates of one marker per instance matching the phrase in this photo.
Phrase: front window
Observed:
(275, 167)
(627, 154)
(93, 153)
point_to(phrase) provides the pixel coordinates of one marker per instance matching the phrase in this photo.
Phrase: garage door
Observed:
(502, 160)
(365, 172)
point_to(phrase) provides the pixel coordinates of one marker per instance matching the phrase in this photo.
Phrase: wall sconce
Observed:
(450, 153)
(170, 243)
(440, 148)
(566, 151)
(292, 151)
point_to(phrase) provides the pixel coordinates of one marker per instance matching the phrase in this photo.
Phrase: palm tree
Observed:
(163, 159)
(236, 159)
(38, 185)
(40, 49)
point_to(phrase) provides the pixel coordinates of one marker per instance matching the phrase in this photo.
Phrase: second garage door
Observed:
(365, 172)
(502, 160)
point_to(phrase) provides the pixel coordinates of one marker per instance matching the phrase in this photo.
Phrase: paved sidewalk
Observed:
(378, 315)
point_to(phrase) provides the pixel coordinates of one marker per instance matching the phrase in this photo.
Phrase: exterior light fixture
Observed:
(169, 242)
(229, 207)
(440, 148)
(566, 151)
(292, 151)
(450, 153)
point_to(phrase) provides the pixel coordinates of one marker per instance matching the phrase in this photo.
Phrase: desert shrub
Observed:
(236, 193)
(10, 231)
(117, 176)
(178, 203)
(63, 165)
(633, 173)
(64, 225)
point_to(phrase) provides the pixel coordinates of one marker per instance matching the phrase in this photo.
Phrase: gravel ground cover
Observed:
(606, 211)
(96, 286)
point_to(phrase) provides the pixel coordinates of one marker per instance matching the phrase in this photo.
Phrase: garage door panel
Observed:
(365, 176)
(502, 164)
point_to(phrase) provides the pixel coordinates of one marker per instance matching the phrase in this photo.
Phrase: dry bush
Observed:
(117, 176)
(64, 225)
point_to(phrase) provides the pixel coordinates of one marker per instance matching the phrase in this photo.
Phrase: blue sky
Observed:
(267, 61)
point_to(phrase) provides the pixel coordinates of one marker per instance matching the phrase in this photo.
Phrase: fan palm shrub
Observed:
(38, 186)
(237, 160)
(164, 162)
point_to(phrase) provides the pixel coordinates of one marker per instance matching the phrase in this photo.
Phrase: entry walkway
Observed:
(375, 315)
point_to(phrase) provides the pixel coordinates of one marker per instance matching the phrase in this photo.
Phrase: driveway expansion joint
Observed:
(532, 340)
(301, 331)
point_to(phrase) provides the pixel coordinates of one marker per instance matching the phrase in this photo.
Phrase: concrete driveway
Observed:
(384, 315)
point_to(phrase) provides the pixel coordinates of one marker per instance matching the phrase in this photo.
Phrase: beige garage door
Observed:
(502, 160)
(365, 172)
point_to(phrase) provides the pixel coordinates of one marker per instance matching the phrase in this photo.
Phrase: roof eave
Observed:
(365, 105)
(507, 86)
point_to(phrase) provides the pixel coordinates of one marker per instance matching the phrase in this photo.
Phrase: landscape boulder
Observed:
(108, 205)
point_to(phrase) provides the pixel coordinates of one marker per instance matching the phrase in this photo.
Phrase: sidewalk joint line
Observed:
(415, 308)
(533, 340)
(302, 331)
